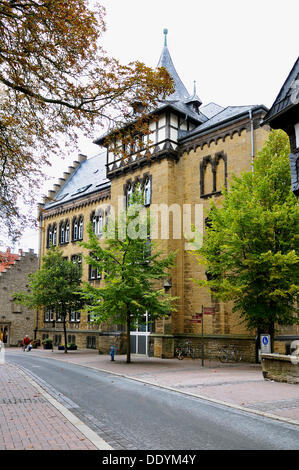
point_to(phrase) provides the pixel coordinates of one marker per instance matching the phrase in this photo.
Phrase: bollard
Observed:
(112, 353)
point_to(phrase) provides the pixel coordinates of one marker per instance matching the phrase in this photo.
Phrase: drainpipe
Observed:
(252, 138)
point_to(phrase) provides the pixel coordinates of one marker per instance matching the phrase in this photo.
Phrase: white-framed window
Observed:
(59, 317)
(80, 235)
(67, 232)
(49, 315)
(75, 230)
(147, 191)
(54, 239)
(75, 316)
(62, 233)
(49, 236)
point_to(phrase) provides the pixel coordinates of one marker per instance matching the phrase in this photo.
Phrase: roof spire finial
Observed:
(194, 87)
(165, 31)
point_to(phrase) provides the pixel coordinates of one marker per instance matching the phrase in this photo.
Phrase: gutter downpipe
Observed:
(252, 138)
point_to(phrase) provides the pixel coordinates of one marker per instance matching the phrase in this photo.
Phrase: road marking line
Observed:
(97, 441)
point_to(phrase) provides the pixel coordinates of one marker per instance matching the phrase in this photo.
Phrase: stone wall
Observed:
(281, 368)
(19, 319)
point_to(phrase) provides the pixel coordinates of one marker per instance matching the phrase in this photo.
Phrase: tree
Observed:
(55, 286)
(251, 243)
(131, 272)
(55, 78)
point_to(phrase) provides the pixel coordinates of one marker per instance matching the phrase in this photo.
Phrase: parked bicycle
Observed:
(229, 354)
(185, 351)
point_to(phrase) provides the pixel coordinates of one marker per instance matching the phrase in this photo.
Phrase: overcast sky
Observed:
(238, 52)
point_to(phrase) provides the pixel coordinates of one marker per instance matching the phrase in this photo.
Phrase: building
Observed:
(284, 114)
(16, 321)
(192, 153)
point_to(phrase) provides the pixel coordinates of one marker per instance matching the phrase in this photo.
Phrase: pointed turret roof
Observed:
(181, 92)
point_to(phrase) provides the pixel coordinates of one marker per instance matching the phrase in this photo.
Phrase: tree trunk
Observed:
(128, 339)
(271, 332)
(64, 331)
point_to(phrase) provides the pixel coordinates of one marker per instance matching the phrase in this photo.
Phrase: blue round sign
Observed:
(265, 340)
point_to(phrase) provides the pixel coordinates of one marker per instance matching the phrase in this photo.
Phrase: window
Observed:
(77, 229)
(97, 223)
(71, 339)
(67, 231)
(59, 317)
(94, 272)
(54, 240)
(49, 315)
(90, 318)
(75, 316)
(80, 234)
(57, 340)
(130, 191)
(147, 191)
(91, 342)
(143, 188)
(49, 236)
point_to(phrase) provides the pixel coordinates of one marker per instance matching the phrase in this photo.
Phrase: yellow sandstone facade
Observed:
(195, 150)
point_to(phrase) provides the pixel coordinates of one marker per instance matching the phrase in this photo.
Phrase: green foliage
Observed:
(55, 285)
(132, 271)
(251, 246)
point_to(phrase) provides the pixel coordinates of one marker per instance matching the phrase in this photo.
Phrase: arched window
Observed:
(147, 191)
(94, 223)
(100, 224)
(49, 236)
(130, 190)
(62, 233)
(80, 234)
(67, 232)
(54, 238)
(75, 229)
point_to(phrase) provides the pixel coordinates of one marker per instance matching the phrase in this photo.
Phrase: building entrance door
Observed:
(139, 337)
(4, 333)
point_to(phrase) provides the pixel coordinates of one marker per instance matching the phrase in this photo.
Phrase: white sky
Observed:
(238, 52)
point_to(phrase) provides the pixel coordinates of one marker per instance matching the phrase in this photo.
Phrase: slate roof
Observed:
(88, 177)
(180, 92)
(227, 114)
(210, 109)
(283, 99)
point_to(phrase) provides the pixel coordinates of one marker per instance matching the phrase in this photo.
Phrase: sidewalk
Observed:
(28, 421)
(238, 385)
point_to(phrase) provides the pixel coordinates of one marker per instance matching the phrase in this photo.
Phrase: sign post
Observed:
(265, 344)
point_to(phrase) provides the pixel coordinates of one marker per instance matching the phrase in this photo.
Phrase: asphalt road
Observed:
(132, 415)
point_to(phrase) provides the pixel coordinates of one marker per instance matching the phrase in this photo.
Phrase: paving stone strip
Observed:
(29, 421)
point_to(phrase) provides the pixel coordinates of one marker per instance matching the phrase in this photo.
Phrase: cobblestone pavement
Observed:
(29, 421)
